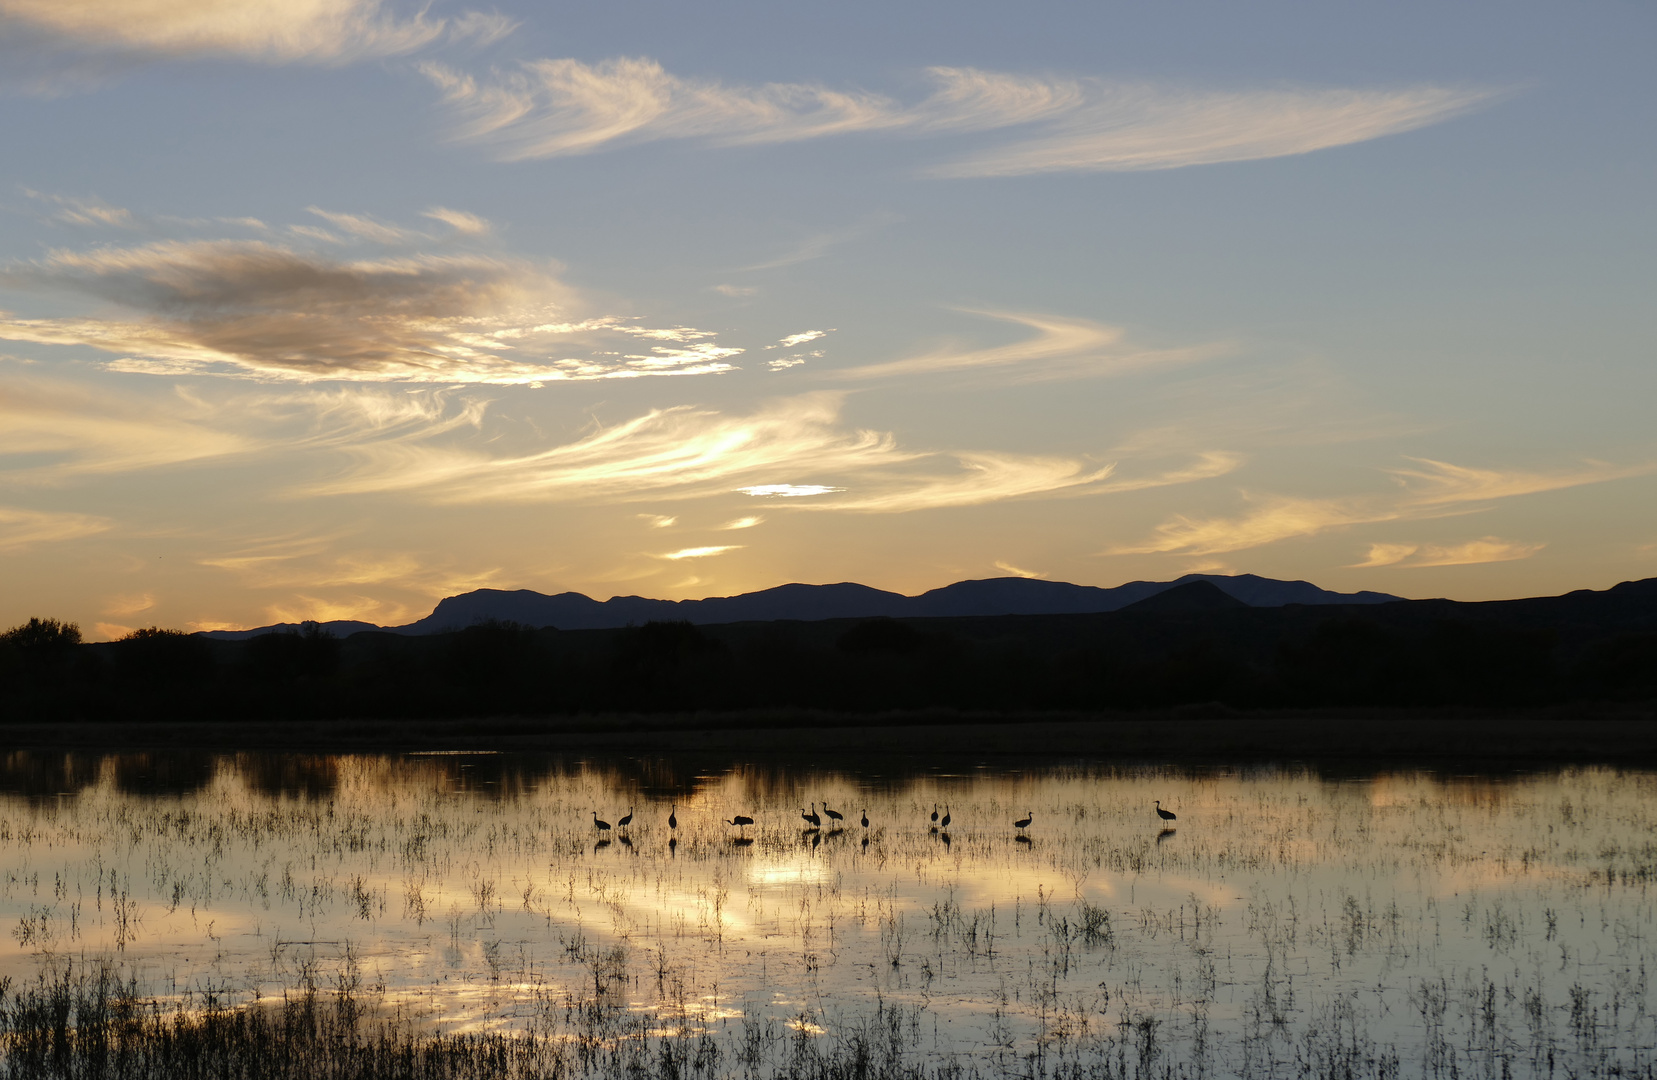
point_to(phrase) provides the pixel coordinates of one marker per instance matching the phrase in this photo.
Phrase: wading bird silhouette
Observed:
(626, 821)
(865, 818)
(1165, 815)
(673, 816)
(1024, 823)
(601, 826)
(944, 823)
(934, 814)
(741, 821)
(811, 819)
(834, 815)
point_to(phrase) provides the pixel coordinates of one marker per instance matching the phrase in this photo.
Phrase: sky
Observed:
(328, 309)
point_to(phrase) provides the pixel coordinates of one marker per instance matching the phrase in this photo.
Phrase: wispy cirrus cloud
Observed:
(327, 576)
(1488, 549)
(665, 453)
(700, 552)
(129, 604)
(1060, 348)
(795, 450)
(1269, 520)
(1428, 490)
(552, 108)
(1144, 128)
(271, 31)
(1433, 483)
(21, 527)
(260, 309)
(84, 210)
(461, 221)
(61, 430)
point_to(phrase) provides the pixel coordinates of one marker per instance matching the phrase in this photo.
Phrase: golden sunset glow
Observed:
(335, 308)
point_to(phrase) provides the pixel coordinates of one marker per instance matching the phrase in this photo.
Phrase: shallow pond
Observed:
(1288, 922)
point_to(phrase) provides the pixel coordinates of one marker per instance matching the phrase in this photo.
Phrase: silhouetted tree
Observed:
(671, 665)
(1620, 667)
(42, 652)
(43, 634)
(1491, 664)
(881, 636)
(1349, 661)
(497, 653)
(170, 656)
(310, 654)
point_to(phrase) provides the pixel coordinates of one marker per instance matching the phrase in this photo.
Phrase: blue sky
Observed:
(332, 308)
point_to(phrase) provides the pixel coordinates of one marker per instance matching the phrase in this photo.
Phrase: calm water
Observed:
(1398, 922)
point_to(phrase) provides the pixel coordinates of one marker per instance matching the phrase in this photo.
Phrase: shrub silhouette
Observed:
(156, 655)
(491, 652)
(42, 651)
(670, 664)
(1623, 666)
(43, 634)
(881, 636)
(310, 654)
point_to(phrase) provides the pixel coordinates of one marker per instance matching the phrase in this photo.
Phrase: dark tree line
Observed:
(1414, 654)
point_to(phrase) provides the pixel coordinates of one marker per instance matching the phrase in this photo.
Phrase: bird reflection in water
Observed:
(1022, 839)
(626, 841)
(742, 841)
(673, 847)
(945, 838)
(1165, 834)
(601, 845)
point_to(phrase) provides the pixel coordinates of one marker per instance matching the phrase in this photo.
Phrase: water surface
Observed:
(1422, 923)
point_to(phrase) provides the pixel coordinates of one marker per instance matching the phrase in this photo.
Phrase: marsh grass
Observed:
(1295, 925)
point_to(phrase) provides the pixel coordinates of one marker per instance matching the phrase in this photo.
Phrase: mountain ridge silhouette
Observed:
(841, 600)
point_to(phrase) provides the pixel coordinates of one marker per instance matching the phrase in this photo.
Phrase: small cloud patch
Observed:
(795, 340)
(1488, 549)
(699, 552)
(788, 491)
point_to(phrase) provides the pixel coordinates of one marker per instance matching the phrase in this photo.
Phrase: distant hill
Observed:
(845, 649)
(1192, 596)
(845, 600)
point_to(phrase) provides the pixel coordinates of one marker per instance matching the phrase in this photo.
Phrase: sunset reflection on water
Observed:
(473, 890)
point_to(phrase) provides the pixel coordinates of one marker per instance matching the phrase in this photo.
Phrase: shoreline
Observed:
(1579, 734)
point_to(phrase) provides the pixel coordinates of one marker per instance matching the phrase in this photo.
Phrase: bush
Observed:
(156, 655)
(43, 635)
